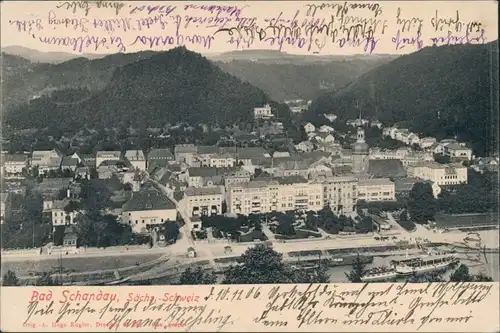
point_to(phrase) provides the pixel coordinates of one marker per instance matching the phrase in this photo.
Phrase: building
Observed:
(326, 129)
(458, 152)
(340, 193)
(441, 174)
(69, 163)
(386, 169)
(224, 160)
(136, 159)
(427, 142)
(147, 209)
(331, 117)
(376, 190)
(159, 158)
(184, 153)
(264, 112)
(236, 176)
(376, 123)
(62, 216)
(309, 128)
(305, 146)
(204, 177)
(70, 238)
(46, 160)
(360, 153)
(403, 186)
(203, 201)
(102, 156)
(275, 194)
(14, 164)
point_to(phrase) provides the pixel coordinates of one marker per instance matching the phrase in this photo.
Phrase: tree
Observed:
(425, 278)
(462, 274)
(10, 279)
(263, 265)
(358, 270)
(171, 231)
(196, 276)
(421, 205)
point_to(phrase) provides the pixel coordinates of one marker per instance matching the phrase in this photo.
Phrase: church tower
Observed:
(360, 151)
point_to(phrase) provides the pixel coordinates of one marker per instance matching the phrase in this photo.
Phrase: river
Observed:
(491, 268)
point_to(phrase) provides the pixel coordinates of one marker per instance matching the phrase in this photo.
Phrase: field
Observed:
(24, 268)
(466, 220)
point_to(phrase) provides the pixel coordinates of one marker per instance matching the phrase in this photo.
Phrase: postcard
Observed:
(249, 166)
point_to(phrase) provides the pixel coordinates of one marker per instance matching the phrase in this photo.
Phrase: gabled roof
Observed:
(160, 154)
(108, 154)
(69, 161)
(148, 199)
(386, 168)
(15, 158)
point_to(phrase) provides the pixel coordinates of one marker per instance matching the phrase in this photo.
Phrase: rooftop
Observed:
(108, 154)
(375, 181)
(134, 155)
(148, 199)
(68, 161)
(15, 158)
(291, 180)
(196, 191)
(160, 154)
(386, 168)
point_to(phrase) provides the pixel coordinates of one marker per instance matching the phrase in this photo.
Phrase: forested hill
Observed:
(301, 79)
(172, 86)
(23, 80)
(438, 91)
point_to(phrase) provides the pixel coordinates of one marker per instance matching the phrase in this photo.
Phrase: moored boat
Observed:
(380, 274)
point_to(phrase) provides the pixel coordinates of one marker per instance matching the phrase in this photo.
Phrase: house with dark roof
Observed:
(390, 168)
(403, 186)
(69, 163)
(160, 158)
(147, 209)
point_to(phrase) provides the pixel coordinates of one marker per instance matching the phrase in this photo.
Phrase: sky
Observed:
(315, 28)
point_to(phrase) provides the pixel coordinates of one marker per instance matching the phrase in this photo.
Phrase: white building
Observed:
(204, 201)
(102, 156)
(309, 128)
(331, 117)
(326, 129)
(340, 193)
(264, 112)
(427, 142)
(14, 164)
(224, 160)
(458, 152)
(46, 160)
(5, 207)
(441, 174)
(280, 195)
(305, 146)
(147, 209)
(60, 216)
(376, 190)
(136, 158)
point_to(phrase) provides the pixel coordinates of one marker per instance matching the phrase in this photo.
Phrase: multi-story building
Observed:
(405, 154)
(14, 164)
(427, 142)
(136, 159)
(102, 156)
(203, 201)
(441, 174)
(264, 112)
(204, 177)
(63, 216)
(236, 176)
(147, 209)
(224, 160)
(458, 152)
(340, 193)
(277, 194)
(184, 153)
(159, 158)
(378, 189)
(46, 160)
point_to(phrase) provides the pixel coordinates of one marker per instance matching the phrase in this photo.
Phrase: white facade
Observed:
(441, 174)
(340, 193)
(427, 142)
(14, 164)
(457, 151)
(136, 158)
(46, 160)
(203, 201)
(309, 128)
(222, 161)
(102, 156)
(138, 220)
(271, 195)
(264, 112)
(376, 190)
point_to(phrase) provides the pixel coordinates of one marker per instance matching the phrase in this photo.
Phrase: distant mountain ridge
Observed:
(442, 91)
(46, 57)
(167, 87)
